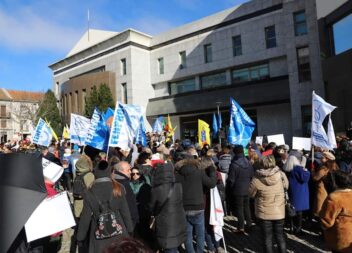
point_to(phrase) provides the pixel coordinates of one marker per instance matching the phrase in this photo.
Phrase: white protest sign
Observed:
(51, 216)
(259, 140)
(51, 170)
(299, 143)
(279, 139)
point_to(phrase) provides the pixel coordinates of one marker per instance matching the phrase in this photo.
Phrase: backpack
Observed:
(79, 187)
(224, 163)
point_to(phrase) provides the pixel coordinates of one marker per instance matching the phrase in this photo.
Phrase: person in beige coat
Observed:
(267, 188)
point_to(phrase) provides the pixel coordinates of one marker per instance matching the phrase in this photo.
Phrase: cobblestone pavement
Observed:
(309, 241)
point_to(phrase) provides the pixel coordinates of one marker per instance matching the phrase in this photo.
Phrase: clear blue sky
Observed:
(34, 34)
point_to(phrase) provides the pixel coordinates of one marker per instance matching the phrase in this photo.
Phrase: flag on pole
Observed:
(215, 125)
(320, 110)
(42, 134)
(79, 129)
(141, 137)
(158, 125)
(170, 130)
(203, 133)
(220, 120)
(52, 130)
(108, 117)
(241, 125)
(98, 132)
(216, 213)
(65, 133)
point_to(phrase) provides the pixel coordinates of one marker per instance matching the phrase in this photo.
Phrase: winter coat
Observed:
(131, 198)
(299, 189)
(268, 190)
(141, 188)
(240, 176)
(193, 179)
(102, 191)
(83, 165)
(336, 219)
(224, 163)
(170, 226)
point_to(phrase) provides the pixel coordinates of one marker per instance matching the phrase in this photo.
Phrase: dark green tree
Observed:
(99, 97)
(49, 111)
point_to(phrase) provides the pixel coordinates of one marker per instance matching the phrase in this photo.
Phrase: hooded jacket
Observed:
(240, 176)
(267, 187)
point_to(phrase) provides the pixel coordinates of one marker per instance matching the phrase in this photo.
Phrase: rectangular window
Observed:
(341, 40)
(215, 80)
(300, 23)
(123, 67)
(253, 73)
(161, 66)
(183, 63)
(3, 111)
(3, 123)
(303, 64)
(270, 36)
(182, 86)
(124, 93)
(237, 45)
(208, 54)
(76, 101)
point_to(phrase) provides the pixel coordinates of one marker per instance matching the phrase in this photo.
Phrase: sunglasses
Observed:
(135, 174)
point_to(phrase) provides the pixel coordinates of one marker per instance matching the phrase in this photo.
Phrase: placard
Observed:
(259, 140)
(279, 139)
(300, 143)
(51, 170)
(53, 215)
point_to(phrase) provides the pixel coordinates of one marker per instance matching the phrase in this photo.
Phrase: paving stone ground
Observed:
(309, 241)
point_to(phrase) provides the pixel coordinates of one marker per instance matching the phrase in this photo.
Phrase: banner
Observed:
(108, 117)
(215, 125)
(216, 213)
(42, 134)
(79, 129)
(278, 139)
(51, 170)
(220, 121)
(241, 125)
(98, 132)
(158, 125)
(320, 110)
(203, 133)
(141, 137)
(299, 143)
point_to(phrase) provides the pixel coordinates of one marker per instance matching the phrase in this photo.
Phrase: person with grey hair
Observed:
(268, 189)
(122, 174)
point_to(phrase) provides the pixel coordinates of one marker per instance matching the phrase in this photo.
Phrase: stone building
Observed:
(263, 53)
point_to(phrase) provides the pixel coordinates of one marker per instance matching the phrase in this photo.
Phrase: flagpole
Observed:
(218, 106)
(223, 241)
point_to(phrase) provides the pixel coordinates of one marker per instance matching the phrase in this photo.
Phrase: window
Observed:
(76, 101)
(253, 73)
(23, 125)
(237, 45)
(124, 93)
(123, 67)
(161, 66)
(214, 80)
(84, 95)
(300, 23)
(303, 64)
(341, 29)
(270, 36)
(3, 123)
(182, 86)
(183, 63)
(3, 111)
(208, 54)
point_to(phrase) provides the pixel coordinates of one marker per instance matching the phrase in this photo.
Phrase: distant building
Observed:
(17, 113)
(263, 53)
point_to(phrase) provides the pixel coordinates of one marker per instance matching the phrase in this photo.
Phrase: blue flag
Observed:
(241, 125)
(215, 125)
(220, 120)
(158, 125)
(98, 133)
(141, 137)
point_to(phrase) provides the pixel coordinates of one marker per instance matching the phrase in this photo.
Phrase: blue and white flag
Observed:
(241, 125)
(98, 132)
(125, 125)
(79, 129)
(108, 117)
(215, 125)
(320, 110)
(42, 134)
(158, 125)
(141, 137)
(220, 120)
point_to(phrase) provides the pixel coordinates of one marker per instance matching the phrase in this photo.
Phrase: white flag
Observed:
(320, 110)
(42, 134)
(216, 213)
(79, 129)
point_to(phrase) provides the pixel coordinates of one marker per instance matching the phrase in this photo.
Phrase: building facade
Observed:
(17, 113)
(264, 53)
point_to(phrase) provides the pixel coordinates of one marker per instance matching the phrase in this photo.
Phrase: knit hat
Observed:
(329, 156)
(84, 164)
(102, 170)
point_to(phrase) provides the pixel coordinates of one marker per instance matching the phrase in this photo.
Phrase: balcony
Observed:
(6, 115)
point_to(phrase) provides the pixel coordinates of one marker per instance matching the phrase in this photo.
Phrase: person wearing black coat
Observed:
(238, 181)
(122, 174)
(103, 189)
(170, 221)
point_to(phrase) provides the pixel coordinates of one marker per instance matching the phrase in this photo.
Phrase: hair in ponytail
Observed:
(116, 188)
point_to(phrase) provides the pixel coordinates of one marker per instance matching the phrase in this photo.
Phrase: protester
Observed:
(336, 214)
(167, 208)
(225, 160)
(108, 192)
(267, 188)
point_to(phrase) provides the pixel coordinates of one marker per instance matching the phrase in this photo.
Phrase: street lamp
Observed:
(218, 106)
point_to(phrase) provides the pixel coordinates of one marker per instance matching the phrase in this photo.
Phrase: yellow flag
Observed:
(169, 125)
(203, 133)
(65, 133)
(52, 130)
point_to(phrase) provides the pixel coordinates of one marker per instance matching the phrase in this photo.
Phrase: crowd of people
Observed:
(158, 197)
